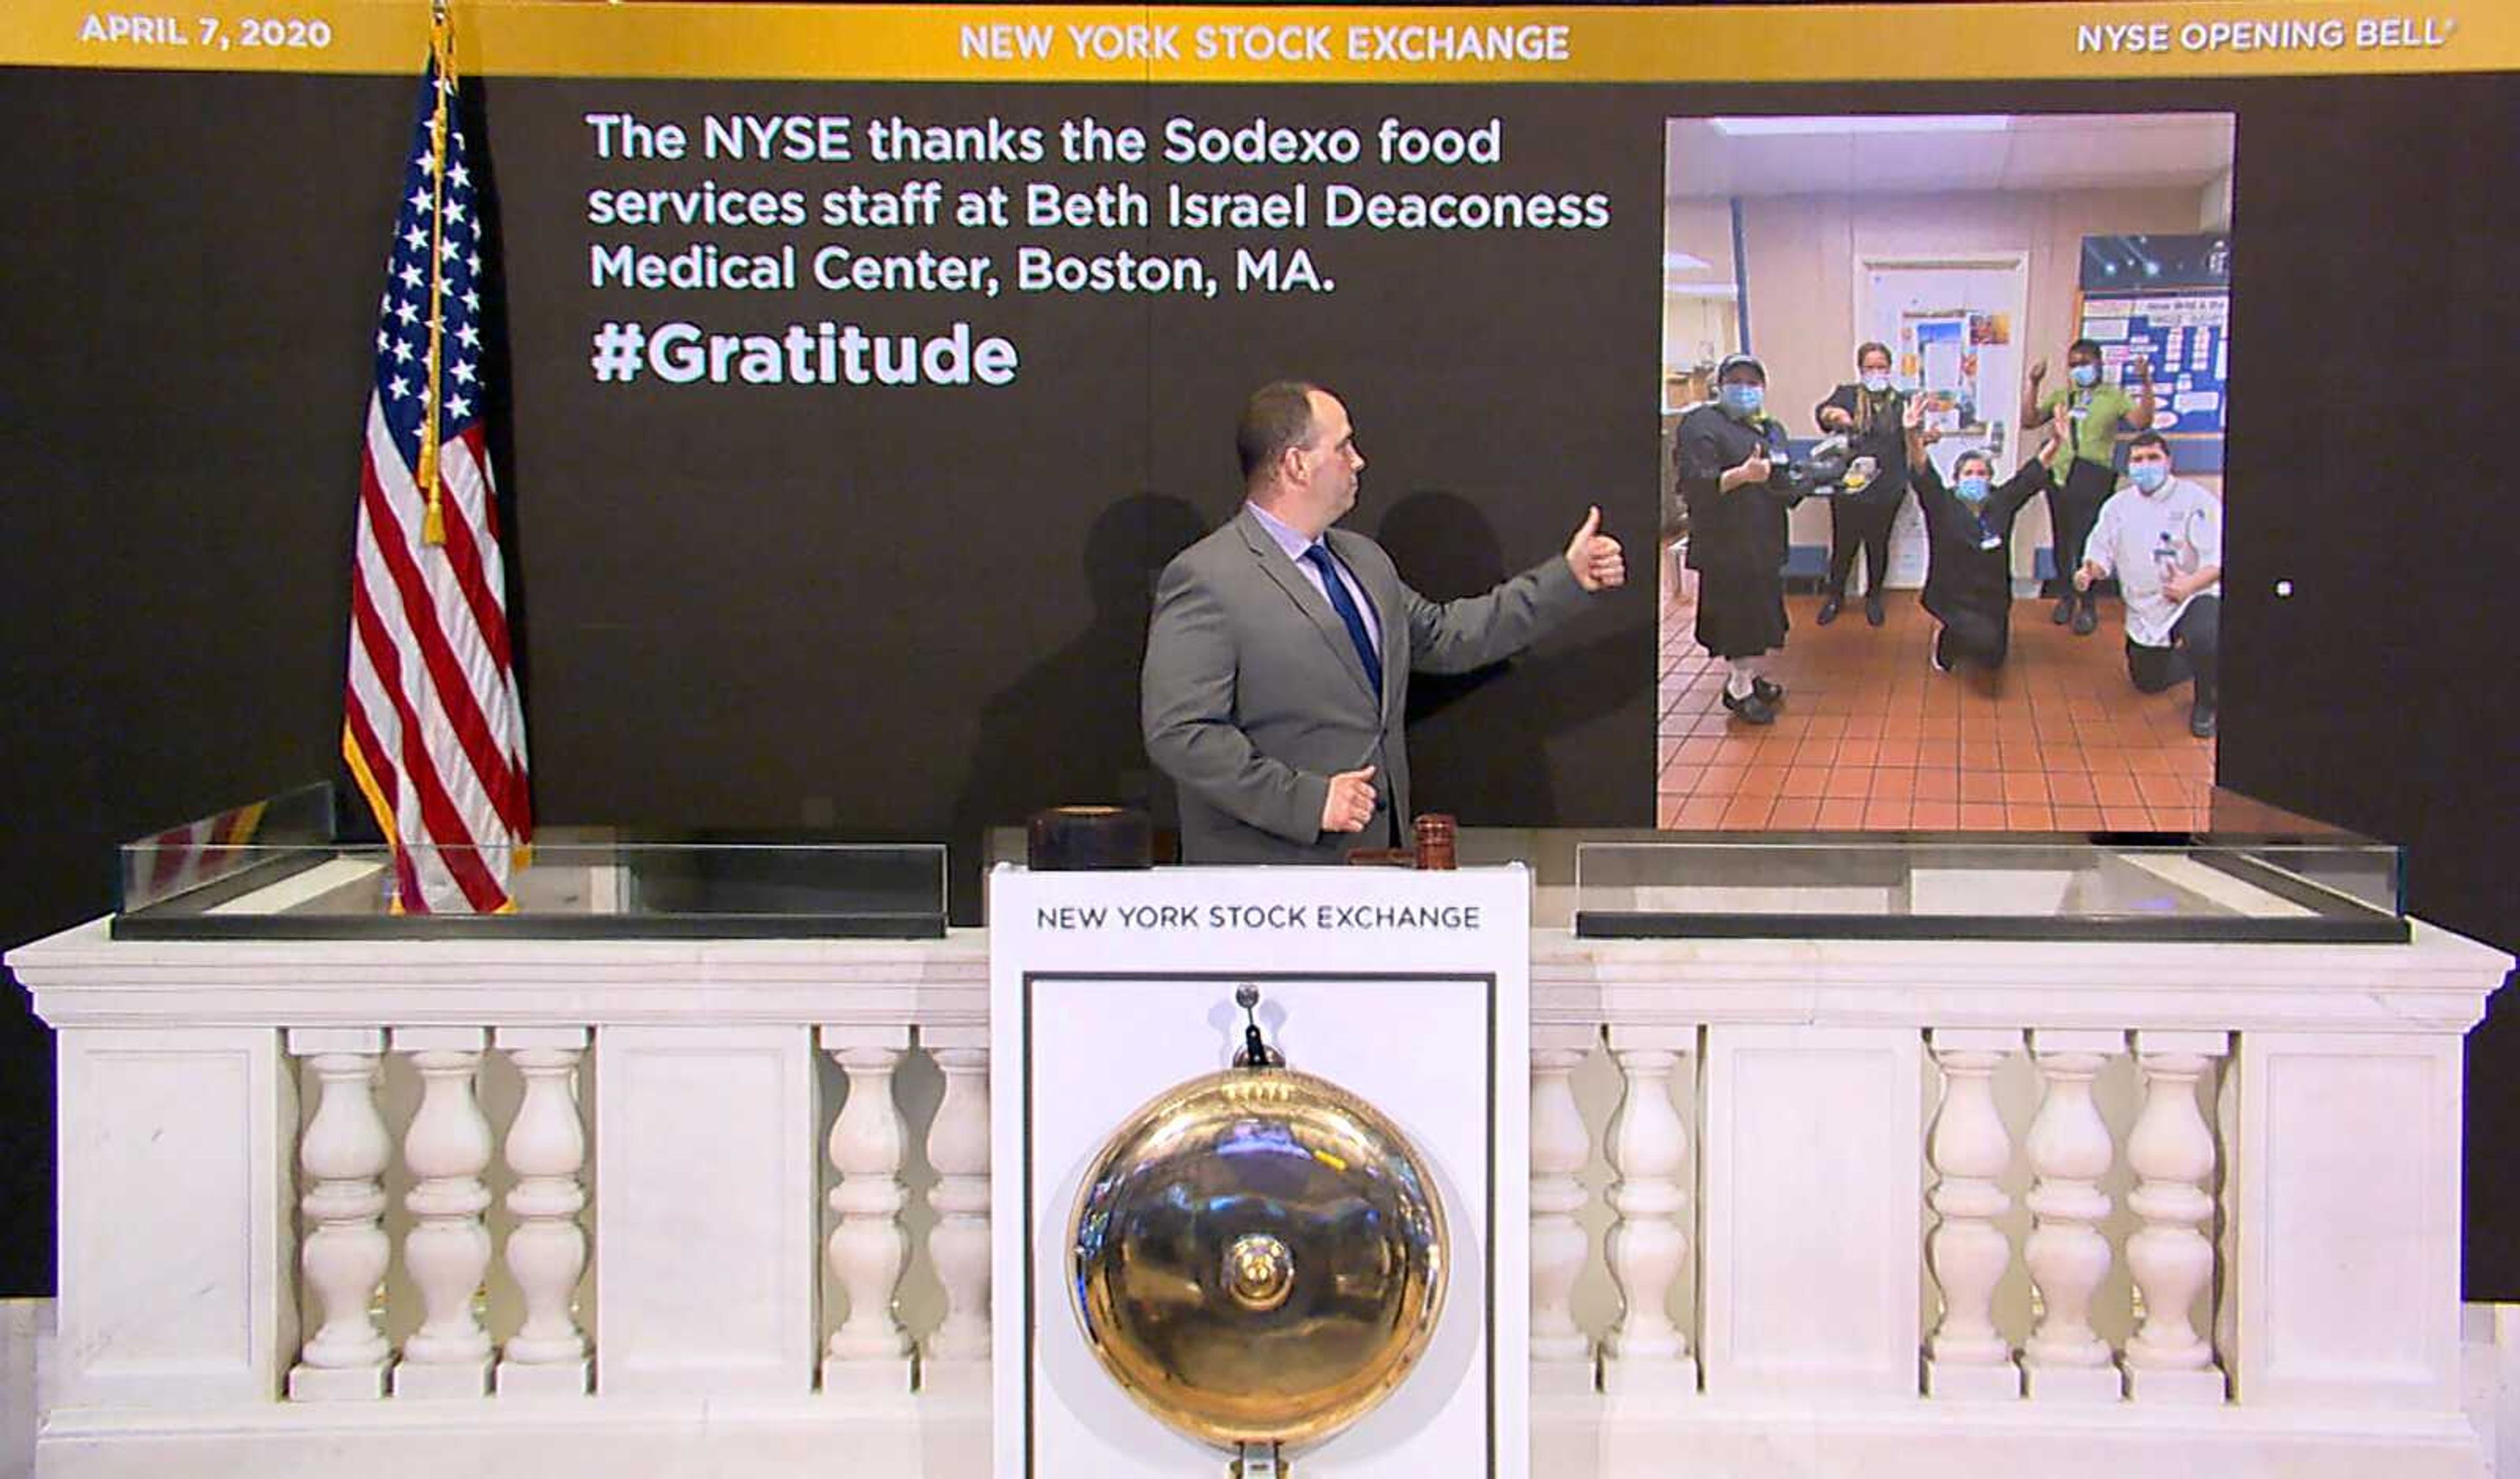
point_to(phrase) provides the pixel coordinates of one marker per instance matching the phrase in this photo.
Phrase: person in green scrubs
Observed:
(2083, 470)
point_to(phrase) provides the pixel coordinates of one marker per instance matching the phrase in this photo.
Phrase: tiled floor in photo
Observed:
(1870, 737)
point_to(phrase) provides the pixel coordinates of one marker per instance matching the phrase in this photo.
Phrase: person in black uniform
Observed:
(2083, 467)
(1867, 412)
(1737, 532)
(1968, 544)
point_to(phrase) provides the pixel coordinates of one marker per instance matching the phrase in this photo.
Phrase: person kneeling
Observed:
(1968, 543)
(2162, 537)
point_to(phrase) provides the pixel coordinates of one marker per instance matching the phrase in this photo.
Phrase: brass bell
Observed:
(1258, 1255)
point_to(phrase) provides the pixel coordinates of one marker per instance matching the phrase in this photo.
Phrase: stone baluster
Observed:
(546, 1149)
(2227, 1243)
(1649, 1244)
(344, 1248)
(958, 1147)
(1562, 1355)
(868, 1246)
(447, 1250)
(2070, 1150)
(1970, 1149)
(2172, 1153)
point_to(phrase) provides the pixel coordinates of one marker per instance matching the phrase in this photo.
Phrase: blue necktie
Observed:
(1319, 556)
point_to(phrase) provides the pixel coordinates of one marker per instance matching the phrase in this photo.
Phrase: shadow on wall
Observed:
(1067, 730)
(1478, 746)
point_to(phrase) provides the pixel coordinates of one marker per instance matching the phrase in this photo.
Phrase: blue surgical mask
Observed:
(1974, 487)
(2148, 475)
(1745, 401)
(1876, 384)
(2087, 376)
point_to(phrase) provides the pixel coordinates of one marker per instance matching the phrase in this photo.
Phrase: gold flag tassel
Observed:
(441, 51)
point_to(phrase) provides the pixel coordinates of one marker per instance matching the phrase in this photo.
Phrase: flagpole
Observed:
(441, 51)
(428, 633)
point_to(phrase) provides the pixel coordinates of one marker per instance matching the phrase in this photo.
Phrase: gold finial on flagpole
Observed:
(441, 55)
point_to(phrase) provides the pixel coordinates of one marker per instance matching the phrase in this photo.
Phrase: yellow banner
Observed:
(977, 43)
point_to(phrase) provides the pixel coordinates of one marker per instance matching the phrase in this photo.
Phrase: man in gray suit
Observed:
(1278, 661)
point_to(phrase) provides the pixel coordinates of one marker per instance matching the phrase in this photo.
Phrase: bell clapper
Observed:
(1260, 1460)
(1256, 1052)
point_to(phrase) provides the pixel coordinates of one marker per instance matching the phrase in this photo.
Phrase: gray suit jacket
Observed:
(1253, 696)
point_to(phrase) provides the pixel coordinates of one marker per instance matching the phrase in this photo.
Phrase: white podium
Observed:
(1409, 988)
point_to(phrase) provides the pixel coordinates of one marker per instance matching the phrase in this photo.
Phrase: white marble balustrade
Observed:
(1967, 1207)
(663, 1207)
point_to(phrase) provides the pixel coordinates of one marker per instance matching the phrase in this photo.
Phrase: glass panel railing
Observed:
(277, 871)
(2259, 874)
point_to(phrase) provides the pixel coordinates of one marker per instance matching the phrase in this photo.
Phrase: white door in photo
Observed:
(1953, 325)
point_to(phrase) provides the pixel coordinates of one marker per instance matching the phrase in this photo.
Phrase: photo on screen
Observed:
(2047, 299)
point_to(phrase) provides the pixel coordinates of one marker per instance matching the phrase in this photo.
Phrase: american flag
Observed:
(434, 728)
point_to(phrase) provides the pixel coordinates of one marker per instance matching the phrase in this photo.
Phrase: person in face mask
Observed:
(2085, 467)
(1867, 411)
(1968, 544)
(1737, 532)
(2162, 537)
